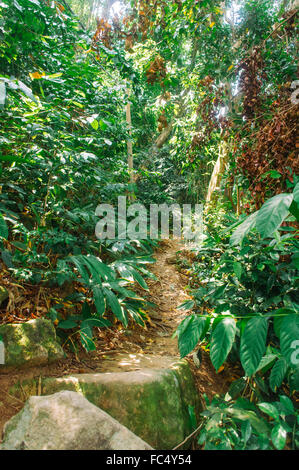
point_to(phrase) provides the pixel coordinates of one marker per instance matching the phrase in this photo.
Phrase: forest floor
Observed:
(135, 348)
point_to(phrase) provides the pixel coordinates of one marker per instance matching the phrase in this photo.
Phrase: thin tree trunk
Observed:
(130, 145)
(218, 170)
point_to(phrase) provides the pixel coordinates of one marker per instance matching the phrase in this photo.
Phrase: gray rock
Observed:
(30, 343)
(152, 403)
(67, 421)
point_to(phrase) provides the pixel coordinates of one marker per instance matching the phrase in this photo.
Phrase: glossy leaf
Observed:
(222, 340)
(253, 344)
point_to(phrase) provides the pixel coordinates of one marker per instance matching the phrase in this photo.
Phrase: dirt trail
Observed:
(135, 348)
(167, 292)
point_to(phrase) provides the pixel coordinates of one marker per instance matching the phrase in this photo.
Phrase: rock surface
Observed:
(30, 343)
(66, 421)
(152, 403)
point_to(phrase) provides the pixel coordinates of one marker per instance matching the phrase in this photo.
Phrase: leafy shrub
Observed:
(242, 425)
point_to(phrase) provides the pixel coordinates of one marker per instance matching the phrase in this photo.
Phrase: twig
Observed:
(14, 246)
(189, 437)
(39, 386)
(279, 26)
(13, 397)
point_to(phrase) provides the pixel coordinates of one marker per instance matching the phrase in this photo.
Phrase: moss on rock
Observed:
(29, 344)
(151, 403)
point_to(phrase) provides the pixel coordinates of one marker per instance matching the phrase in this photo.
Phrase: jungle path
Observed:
(120, 350)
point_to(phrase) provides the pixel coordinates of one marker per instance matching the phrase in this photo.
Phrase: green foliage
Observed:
(63, 151)
(249, 285)
(190, 331)
(253, 344)
(3, 227)
(239, 424)
(222, 341)
(269, 218)
(253, 292)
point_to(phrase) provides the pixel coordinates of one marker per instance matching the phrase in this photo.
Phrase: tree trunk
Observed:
(218, 170)
(129, 144)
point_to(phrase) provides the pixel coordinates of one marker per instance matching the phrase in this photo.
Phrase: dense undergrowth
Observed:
(63, 151)
(245, 291)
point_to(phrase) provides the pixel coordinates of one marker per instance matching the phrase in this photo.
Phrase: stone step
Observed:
(152, 402)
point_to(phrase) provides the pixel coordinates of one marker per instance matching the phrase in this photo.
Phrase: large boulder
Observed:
(30, 343)
(66, 421)
(152, 403)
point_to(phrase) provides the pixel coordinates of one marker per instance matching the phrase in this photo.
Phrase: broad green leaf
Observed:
(238, 269)
(186, 305)
(269, 409)
(253, 344)
(189, 336)
(98, 322)
(93, 122)
(86, 311)
(257, 423)
(135, 315)
(79, 263)
(279, 436)
(13, 158)
(103, 125)
(115, 306)
(266, 362)
(287, 404)
(99, 300)
(296, 193)
(294, 380)
(272, 214)
(289, 339)
(17, 5)
(53, 76)
(3, 228)
(243, 229)
(192, 417)
(86, 338)
(98, 269)
(67, 324)
(279, 316)
(137, 276)
(183, 325)
(76, 103)
(222, 340)
(295, 260)
(294, 210)
(246, 430)
(7, 258)
(278, 373)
